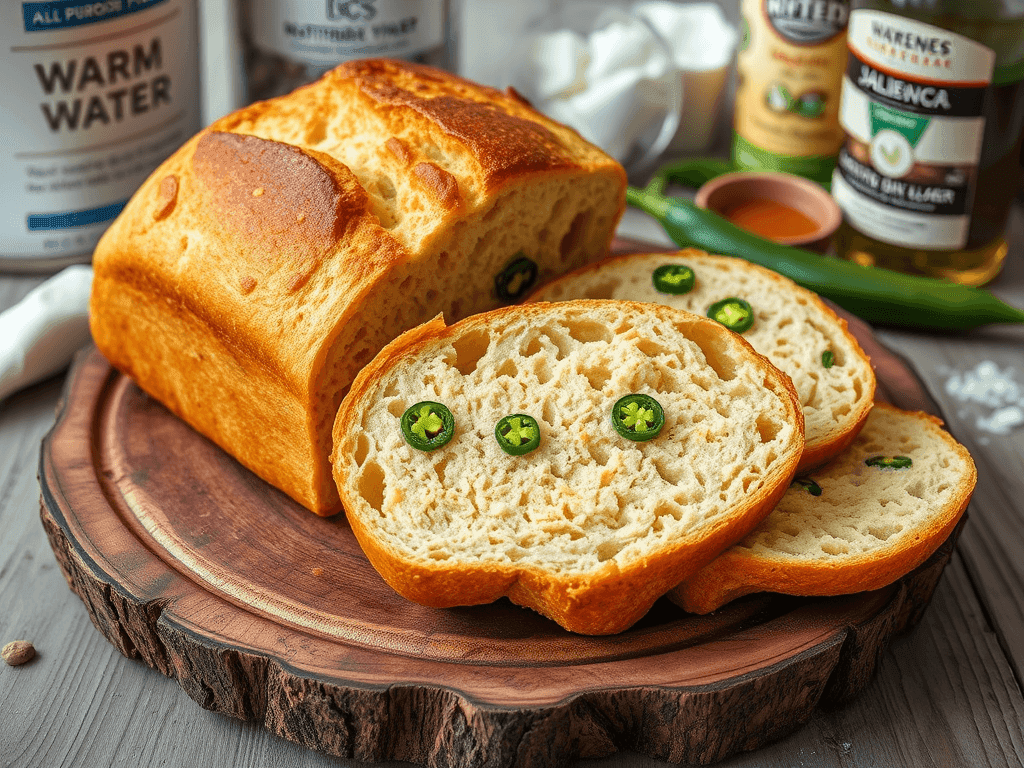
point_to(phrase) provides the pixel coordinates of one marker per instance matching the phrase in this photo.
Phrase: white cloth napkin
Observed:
(41, 333)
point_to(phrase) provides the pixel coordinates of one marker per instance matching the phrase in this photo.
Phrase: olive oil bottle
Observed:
(933, 114)
(790, 71)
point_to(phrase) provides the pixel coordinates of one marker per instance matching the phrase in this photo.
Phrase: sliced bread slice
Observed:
(592, 526)
(869, 517)
(792, 327)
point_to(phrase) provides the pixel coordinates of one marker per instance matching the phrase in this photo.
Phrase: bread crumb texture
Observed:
(792, 328)
(586, 497)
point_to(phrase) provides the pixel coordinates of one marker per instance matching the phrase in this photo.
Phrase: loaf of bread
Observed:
(871, 516)
(792, 327)
(273, 255)
(590, 527)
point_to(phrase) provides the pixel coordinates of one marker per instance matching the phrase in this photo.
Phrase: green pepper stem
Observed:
(648, 201)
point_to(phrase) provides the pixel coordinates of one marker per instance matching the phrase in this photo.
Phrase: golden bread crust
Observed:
(500, 131)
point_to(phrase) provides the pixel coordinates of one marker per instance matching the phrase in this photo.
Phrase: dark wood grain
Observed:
(267, 613)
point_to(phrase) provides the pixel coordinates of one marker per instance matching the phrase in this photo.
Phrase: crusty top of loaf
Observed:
(500, 129)
(440, 143)
(270, 225)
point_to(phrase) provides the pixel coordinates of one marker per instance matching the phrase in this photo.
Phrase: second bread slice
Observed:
(792, 327)
(590, 528)
(871, 516)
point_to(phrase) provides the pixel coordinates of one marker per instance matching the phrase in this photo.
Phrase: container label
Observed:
(87, 113)
(790, 76)
(807, 22)
(323, 34)
(44, 17)
(912, 114)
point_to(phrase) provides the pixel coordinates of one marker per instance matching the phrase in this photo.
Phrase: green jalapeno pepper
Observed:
(889, 462)
(735, 314)
(517, 434)
(694, 172)
(427, 426)
(828, 359)
(675, 279)
(808, 485)
(638, 417)
(875, 294)
(518, 276)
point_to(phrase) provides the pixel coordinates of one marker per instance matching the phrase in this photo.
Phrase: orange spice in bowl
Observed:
(771, 219)
(779, 206)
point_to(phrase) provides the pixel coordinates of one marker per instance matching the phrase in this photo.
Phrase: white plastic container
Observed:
(96, 95)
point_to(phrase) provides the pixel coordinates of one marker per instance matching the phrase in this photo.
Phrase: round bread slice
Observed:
(792, 327)
(870, 525)
(590, 528)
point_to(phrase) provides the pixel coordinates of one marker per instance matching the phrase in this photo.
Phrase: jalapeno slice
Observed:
(427, 425)
(735, 314)
(675, 279)
(517, 434)
(638, 417)
(518, 276)
(808, 485)
(889, 462)
(828, 359)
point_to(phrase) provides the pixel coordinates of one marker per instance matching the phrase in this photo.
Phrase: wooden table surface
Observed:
(949, 693)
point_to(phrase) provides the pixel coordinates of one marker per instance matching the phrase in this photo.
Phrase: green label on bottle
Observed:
(909, 126)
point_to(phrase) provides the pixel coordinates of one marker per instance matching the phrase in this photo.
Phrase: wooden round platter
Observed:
(263, 611)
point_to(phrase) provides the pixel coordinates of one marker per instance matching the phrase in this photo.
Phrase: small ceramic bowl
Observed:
(726, 193)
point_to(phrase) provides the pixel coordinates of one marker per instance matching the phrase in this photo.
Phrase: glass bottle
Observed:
(933, 112)
(790, 71)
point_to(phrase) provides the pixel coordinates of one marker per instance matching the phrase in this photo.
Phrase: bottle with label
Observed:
(97, 95)
(933, 113)
(790, 69)
(293, 42)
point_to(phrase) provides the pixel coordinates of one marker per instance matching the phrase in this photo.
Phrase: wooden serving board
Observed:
(263, 611)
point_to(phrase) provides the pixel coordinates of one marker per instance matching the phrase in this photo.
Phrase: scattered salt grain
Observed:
(1003, 420)
(994, 389)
